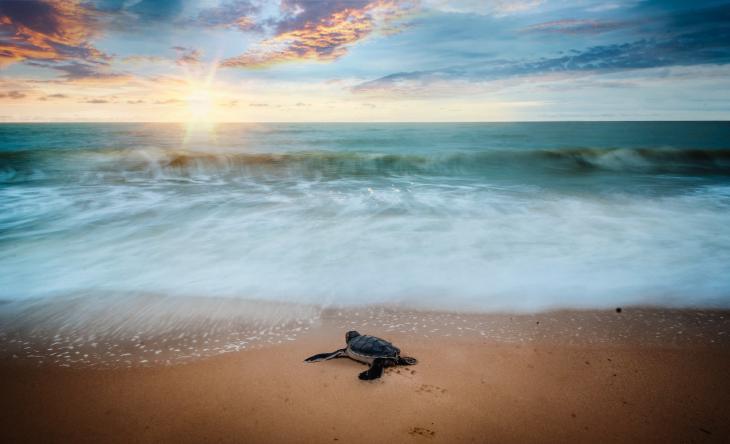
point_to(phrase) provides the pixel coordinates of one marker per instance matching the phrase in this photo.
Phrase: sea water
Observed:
(463, 217)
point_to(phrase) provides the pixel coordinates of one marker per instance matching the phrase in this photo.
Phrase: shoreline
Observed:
(57, 335)
(467, 387)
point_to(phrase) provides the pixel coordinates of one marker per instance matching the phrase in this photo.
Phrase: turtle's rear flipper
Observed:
(407, 360)
(326, 356)
(375, 371)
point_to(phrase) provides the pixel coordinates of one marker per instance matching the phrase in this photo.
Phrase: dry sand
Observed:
(467, 388)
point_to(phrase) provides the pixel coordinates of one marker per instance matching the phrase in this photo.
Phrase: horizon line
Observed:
(363, 122)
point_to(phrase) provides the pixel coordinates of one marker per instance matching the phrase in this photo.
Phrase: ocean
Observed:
(462, 217)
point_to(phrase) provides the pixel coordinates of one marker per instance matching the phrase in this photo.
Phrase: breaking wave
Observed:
(156, 162)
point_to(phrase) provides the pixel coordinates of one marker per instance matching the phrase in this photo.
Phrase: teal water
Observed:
(514, 216)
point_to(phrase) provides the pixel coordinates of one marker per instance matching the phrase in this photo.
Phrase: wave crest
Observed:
(328, 164)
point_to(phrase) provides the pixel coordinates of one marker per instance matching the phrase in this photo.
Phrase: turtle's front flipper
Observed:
(325, 356)
(375, 371)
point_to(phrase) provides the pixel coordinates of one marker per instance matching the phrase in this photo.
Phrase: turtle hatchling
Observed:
(377, 353)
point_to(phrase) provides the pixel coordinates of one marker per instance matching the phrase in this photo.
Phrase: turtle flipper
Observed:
(407, 360)
(325, 356)
(375, 371)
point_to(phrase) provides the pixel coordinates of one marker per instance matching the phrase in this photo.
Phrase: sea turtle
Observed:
(377, 353)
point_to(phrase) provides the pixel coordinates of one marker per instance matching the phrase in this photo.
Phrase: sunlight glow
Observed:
(202, 109)
(201, 105)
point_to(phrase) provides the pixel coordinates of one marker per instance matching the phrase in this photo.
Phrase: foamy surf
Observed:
(467, 246)
(152, 330)
(143, 329)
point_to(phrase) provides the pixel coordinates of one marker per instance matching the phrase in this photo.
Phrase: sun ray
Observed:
(202, 100)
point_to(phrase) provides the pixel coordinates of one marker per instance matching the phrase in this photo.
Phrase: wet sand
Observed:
(467, 387)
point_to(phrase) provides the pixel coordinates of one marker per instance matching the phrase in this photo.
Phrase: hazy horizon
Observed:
(364, 122)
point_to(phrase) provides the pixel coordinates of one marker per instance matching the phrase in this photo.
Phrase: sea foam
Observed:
(463, 217)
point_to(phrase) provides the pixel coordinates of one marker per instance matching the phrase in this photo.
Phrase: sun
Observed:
(201, 105)
(200, 125)
(201, 98)
(201, 115)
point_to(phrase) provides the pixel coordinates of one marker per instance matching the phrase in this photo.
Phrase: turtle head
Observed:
(351, 335)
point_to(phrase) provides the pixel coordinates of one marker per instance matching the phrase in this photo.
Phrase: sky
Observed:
(363, 60)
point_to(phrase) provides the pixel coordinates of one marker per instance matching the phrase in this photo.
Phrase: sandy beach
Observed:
(200, 201)
(467, 387)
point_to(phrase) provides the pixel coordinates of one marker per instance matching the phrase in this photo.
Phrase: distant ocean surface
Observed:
(493, 216)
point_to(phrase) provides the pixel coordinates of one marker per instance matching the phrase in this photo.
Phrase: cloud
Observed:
(483, 7)
(319, 31)
(144, 59)
(187, 56)
(183, 56)
(85, 72)
(47, 30)
(685, 38)
(232, 14)
(52, 97)
(136, 16)
(125, 14)
(297, 14)
(167, 101)
(575, 26)
(15, 95)
(157, 10)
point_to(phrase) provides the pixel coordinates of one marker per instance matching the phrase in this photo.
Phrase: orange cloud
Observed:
(47, 30)
(325, 39)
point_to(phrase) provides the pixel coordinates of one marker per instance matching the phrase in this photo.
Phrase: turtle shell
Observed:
(373, 347)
